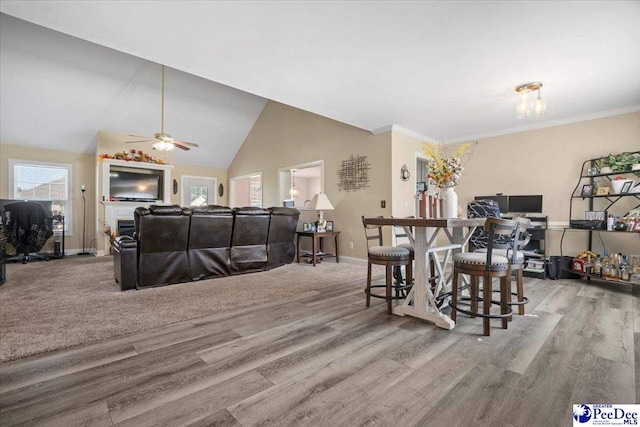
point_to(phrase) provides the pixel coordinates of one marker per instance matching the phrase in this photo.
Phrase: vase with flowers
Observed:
(445, 170)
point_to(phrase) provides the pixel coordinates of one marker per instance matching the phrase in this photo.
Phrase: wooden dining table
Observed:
(423, 234)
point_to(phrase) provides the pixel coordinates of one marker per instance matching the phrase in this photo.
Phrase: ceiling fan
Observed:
(162, 141)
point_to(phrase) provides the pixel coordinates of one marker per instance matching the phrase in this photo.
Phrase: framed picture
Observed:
(596, 215)
(329, 226)
(602, 191)
(587, 190)
(636, 226)
(306, 226)
(626, 187)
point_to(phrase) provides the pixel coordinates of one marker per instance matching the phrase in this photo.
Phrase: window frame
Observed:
(68, 209)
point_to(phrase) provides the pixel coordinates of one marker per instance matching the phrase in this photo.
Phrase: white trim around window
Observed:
(68, 201)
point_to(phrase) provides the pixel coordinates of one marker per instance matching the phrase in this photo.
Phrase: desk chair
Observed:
(27, 225)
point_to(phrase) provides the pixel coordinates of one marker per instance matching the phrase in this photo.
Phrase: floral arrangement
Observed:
(132, 156)
(446, 168)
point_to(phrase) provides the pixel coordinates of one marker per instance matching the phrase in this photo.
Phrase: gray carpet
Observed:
(52, 305)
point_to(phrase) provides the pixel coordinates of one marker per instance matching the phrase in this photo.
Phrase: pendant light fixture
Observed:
(529, 103)
(294, 191)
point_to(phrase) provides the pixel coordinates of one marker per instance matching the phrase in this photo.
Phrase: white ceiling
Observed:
(444, 70)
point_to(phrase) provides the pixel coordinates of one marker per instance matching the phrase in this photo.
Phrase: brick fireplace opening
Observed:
(126, 227)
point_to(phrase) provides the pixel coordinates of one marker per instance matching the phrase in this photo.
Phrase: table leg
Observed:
(313, 247)
(420, 301)
(298, 248)
(336, 245)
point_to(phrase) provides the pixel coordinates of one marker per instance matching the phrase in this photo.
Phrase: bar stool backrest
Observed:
(372, 232)
(495, 227)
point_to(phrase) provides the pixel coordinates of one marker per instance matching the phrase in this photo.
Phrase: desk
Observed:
(316, 238)
(421, 301)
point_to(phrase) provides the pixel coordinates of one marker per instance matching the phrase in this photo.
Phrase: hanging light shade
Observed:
(294, 191)
(529, 103)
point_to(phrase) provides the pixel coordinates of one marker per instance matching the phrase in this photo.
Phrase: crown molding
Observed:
(404, 131)
(551, 123)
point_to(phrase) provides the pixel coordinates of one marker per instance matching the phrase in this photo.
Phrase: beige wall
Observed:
(404, 149)
(285, 136)
(548, 162)
(83, 172)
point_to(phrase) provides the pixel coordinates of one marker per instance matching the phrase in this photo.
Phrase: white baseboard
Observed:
(352, 260)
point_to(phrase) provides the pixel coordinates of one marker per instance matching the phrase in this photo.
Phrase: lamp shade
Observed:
(320, 202)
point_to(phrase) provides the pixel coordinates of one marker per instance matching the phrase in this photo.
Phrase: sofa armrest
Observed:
(125, 262)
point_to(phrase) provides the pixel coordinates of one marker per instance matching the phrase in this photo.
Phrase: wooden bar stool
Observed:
(390, 257)
(486, 265)
(516, 261)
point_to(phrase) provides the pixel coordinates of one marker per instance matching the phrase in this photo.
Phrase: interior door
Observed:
(198, 191)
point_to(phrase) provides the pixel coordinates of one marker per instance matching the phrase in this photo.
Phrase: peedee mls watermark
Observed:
(605, 415)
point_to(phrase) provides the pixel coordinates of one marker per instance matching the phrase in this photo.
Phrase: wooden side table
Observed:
(316, 238)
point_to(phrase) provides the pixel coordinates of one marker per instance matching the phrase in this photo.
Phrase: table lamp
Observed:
(321, 203)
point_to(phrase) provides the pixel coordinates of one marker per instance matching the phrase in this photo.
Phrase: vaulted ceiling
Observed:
(443, 70)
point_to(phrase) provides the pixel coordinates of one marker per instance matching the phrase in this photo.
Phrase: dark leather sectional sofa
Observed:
(172, 244)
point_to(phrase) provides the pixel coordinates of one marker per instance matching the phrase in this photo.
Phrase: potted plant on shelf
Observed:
(618, 163)
(603, 165)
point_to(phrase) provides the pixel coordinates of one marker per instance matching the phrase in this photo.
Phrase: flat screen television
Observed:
(502, 201)
(525, 204)
(134, 186)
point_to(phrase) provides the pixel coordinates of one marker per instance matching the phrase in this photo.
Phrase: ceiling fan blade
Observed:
(138, 136)
(190, 144)
(180, 146)
(141, 140)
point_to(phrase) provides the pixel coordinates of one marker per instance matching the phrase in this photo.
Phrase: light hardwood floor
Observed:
(322, 359)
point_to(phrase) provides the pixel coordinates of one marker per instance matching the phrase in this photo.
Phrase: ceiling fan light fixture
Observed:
(528, 105)
(294, 191)
(163, 146)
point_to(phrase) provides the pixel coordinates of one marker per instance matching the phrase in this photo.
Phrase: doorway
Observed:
(305, 179)
(198, 190)
(246, 190)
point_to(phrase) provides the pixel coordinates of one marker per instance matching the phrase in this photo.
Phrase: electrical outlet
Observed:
(383, 204)
(350, 245)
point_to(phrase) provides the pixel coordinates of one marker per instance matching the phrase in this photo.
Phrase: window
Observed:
(30, 180)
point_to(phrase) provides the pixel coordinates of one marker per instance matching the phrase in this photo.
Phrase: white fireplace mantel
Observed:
(115, 211)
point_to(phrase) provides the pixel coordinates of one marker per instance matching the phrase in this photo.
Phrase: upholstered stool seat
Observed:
(479, 258)
(389, 253)
(407, 246)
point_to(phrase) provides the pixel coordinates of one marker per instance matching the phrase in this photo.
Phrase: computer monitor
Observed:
(525, 204)
(288, 203)
(502, 201)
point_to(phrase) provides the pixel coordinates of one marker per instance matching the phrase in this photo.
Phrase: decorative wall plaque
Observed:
(353, 174)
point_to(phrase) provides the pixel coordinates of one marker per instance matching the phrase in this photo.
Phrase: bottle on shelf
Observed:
(610, 222)
(606, 266)
(597, 267)
(588, 266)
(634, 277)
(615, 264)
(624, 274)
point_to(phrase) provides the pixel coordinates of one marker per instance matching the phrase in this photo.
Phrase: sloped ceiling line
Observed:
(121, 101)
